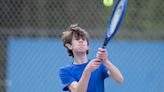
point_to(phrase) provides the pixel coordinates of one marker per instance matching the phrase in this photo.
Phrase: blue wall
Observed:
(33, 65)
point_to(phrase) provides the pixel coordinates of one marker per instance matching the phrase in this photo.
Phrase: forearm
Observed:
(114, 72)
(83, 82)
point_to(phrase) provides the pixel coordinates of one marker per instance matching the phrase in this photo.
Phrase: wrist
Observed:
(87, 71)
(107, 64)
(106, 61)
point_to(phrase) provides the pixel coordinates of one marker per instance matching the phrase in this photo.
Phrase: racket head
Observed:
(115, 20)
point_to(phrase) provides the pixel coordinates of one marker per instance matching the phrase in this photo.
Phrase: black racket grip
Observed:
(104, 46)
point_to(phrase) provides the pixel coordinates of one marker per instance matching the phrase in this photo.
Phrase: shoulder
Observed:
(65, 68)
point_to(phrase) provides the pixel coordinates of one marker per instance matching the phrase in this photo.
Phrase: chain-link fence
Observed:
(47, 19)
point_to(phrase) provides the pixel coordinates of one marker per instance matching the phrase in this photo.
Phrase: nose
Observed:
(81, 40)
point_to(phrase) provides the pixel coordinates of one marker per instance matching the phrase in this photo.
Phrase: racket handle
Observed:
(104, 46)
(106, 40)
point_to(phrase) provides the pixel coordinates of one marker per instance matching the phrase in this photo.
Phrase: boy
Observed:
(85, 75)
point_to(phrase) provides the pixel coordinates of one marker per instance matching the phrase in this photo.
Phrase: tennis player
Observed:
(85, 75)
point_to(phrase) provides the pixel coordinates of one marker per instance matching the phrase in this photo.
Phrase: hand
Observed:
(93, 65)
(102, 54)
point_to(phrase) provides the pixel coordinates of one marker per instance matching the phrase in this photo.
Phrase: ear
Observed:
(69, 46)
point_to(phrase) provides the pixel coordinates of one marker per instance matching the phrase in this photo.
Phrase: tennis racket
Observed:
(115, 20)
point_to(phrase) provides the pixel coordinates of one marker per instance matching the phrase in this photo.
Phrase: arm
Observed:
(112, 69)
(82, 85)
(114, 72)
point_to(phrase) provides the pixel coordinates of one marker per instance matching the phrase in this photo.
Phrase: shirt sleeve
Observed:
(66, 78)
(104, 71)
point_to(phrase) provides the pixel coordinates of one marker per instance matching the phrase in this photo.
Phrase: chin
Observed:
(82, 51)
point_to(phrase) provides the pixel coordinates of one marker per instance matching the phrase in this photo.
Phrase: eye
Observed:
(77, 38)
(83, 39)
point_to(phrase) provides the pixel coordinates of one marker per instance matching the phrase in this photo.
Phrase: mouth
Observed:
(81, 45)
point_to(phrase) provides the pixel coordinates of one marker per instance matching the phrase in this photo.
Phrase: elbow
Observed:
(78, 90)
(120, 80)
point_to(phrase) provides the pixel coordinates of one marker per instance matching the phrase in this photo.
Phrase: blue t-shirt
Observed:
(74, 72)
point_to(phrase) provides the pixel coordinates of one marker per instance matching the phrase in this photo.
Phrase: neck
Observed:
(80, 59)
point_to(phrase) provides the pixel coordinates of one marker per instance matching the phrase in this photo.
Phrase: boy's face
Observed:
(79, 45)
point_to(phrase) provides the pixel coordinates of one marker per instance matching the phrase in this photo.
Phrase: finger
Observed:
(97, 60)
(99, 57)
(100, 54)
(97, 63)
(101, 49)
(95, 66)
